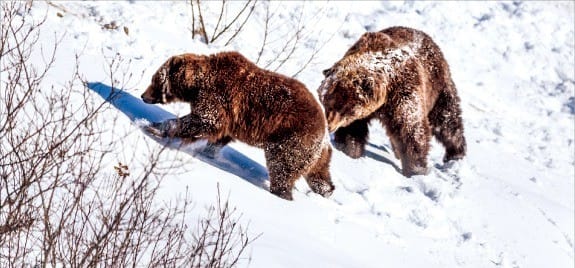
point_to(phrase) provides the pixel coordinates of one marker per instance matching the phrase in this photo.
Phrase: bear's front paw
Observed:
(415, 170)
(159, 129)
(322, 188)
(282, 193)
(453, 157)
(351, 148)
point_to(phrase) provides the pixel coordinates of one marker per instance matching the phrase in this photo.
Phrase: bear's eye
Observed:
(361, 97)
(368, 85)
(163, 75)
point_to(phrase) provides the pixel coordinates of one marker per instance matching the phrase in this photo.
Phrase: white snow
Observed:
(509, 203)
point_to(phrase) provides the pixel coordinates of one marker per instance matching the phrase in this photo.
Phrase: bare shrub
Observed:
(289, 38)
(62, 201)
(288, 33)
(218, 240)
(213, 29)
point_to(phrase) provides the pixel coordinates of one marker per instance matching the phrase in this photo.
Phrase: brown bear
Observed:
(399, 76)
(231, 98)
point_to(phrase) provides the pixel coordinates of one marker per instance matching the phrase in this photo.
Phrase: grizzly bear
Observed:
(233, 99)
(400, 77)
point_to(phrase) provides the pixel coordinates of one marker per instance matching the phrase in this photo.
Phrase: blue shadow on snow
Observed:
(228, 159)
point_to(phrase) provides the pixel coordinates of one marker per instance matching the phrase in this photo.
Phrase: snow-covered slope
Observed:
(509, 203)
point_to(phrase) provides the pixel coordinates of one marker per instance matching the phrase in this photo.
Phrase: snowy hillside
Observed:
(509, 203)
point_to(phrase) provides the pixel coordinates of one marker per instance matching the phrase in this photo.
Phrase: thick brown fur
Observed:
(231, 98)
(399, 76)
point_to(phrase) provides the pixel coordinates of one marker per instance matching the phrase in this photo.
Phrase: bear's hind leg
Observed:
(284, 167)
(447, 125)
(281, 180)
(352, 139)
(318, 177)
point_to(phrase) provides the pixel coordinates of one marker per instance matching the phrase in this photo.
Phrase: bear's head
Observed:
(348, 93)
(174, 80)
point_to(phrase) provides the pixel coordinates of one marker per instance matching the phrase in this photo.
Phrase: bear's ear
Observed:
(175, 63)
(327, 72)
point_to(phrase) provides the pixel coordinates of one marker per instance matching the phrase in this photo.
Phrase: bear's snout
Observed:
(149, 98)
(334, 121)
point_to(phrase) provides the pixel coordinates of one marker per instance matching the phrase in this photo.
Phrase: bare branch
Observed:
(202, 24)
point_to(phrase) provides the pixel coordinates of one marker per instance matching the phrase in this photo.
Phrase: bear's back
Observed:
(425, 49)
(265, 103)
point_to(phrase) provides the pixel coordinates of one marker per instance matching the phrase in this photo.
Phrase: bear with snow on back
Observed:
(232, 99)
(400, 77)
